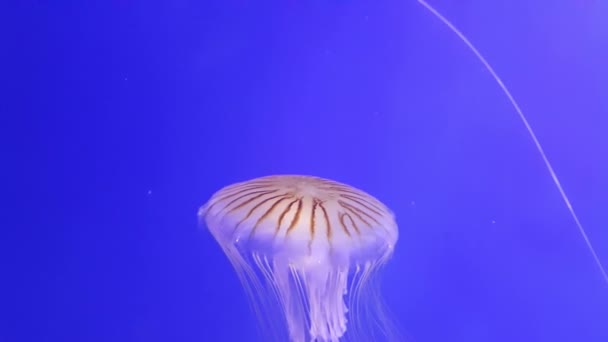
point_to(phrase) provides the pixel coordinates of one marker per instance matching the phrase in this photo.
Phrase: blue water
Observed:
(120, 118)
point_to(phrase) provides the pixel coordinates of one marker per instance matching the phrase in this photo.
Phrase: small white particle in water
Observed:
(493, 221)
(149, 192)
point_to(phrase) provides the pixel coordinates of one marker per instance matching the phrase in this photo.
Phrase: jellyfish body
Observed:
(309, 248)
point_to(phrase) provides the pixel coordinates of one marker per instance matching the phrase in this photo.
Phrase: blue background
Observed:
(120, 118)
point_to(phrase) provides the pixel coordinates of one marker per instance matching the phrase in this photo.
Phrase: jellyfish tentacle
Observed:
(531, 133)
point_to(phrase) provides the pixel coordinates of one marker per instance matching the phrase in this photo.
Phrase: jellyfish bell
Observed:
(309, 249)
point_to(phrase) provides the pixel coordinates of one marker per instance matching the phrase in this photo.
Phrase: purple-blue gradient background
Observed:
(121, 118)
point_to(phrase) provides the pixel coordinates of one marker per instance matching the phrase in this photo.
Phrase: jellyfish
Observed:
(308, 252)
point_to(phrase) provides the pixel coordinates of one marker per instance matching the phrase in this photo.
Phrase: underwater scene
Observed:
(305, 171)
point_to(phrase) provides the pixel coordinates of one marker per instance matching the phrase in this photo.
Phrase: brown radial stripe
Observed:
(296, 217)
(354, 212)
(342, 216)
(260, 203)
(282, 216)
(326, 216)
(358, 212)
(224, 198)
(315, 203)
(365, 203)
(247, 201)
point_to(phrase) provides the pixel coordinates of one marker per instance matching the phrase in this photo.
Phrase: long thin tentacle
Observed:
(530, 131)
